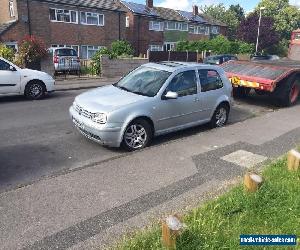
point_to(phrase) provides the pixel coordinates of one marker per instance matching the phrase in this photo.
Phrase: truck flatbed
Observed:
(278, 77)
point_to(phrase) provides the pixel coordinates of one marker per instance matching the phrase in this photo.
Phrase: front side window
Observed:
(60, 15)
(4, 65)
(177, 26)
(144, 81)
(87, 52)
(127, 22)
(89, 18)
(210, 80)
(185, 83)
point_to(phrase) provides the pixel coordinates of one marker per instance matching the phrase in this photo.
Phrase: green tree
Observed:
(286, 17)
(238, 10)
(6, 52)
(227, 16)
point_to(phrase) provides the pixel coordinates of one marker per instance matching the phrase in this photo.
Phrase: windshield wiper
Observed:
(140, 93)
(123, 88)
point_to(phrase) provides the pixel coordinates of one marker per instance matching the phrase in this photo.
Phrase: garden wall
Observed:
(119, 67)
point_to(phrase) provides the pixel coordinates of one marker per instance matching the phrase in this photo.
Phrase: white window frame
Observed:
(93, 14)
(155, 47)
(199, 29)
(178, 26)
(70, 15)
(11, 9)
(156, 26)
(171, 44)
(89, 47)
(127, 22)
(215, 30)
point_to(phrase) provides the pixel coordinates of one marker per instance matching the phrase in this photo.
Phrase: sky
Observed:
(248, 5)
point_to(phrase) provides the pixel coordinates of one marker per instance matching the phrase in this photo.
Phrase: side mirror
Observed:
(170, 95)
(12, 68)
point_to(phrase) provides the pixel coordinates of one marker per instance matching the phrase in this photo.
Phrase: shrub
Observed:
(31, 49)
(121, 47)
(218, 45)
(118, 49)
(6, 53)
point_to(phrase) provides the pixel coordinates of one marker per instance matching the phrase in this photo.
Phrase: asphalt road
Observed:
(37, 138)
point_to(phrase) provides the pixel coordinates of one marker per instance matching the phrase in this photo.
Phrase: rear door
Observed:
(9, 80)
(212, 87)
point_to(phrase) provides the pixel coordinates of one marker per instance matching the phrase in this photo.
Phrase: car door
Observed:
(9, 79)
(212, 87)
(172, 114)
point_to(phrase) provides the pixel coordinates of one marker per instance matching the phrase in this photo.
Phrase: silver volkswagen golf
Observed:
(154, 99)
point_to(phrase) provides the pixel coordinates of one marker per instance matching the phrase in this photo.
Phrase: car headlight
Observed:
(100, 118)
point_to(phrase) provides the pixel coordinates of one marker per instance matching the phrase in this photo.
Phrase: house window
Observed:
(215, 29)
(169, 46)
(88, 51)
(201, 29)
(156, 48)
(66, 16)
(88, 18)
(127, 22)
(11, 9)
(177, 26)
(155, 25)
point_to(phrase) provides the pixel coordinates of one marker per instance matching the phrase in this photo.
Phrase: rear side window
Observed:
(66, 52)
(4, 65)
(185, 83)
(210, 80)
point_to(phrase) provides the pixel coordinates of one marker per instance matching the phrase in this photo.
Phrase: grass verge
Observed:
(275, 209)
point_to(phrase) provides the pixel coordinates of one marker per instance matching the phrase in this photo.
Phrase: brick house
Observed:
(159, 29)
(85, 25)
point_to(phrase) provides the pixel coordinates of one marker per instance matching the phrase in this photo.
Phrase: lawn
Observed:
(275, 209)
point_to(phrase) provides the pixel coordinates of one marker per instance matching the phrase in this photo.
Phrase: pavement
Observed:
(74, 194)
(76, 83)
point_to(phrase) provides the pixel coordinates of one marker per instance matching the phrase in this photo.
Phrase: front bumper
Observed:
(108, 134)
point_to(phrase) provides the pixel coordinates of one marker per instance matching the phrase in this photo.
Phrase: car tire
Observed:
(220, 116)
(137, 135)
(288, 92)
(241, 92)
(35, 90)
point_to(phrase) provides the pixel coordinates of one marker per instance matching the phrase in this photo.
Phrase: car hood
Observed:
(34, 73)
(106, 99)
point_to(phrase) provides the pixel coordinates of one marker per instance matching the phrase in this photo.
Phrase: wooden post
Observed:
(252, 182)
(171, 229)
(293, 160)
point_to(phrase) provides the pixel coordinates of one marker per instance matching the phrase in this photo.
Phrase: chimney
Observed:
(149, 3)
(195, 10)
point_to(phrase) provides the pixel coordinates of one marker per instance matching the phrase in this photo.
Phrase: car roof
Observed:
(174, 66)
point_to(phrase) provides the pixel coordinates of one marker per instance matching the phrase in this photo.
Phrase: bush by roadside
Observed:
(218, 45)
(118, 49)
(274, 209)
(7, 53)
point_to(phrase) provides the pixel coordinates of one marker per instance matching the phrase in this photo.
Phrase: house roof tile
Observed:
(5, 26)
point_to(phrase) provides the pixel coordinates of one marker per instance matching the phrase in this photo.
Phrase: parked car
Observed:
(65, 60)
(219, 59)
(16, 81)
(154, 99)
(264, 57)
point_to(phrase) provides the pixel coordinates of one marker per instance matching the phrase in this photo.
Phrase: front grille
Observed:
(84, 112)
(89, 134)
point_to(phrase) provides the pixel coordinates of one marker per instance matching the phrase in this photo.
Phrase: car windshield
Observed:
(66, 52)
(144, 81)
